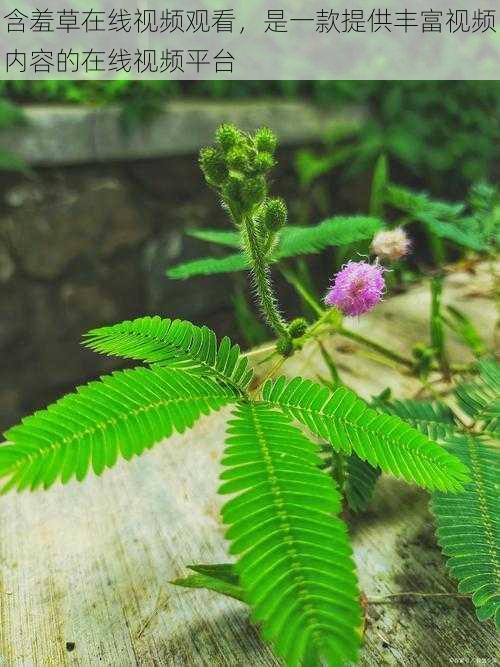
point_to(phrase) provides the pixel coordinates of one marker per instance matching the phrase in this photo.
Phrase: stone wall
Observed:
(85, 246)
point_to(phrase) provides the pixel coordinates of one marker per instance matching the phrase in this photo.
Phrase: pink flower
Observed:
(391, 244)
(357, 288)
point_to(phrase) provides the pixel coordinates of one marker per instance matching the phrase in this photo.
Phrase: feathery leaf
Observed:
(443, 219)
(432, 418)
(480, 398)
(359, 483)
(217, 236)
(122, 414)
(173, 343)
(468, 526)
(207, 266)
(294, 240)
(382, 440)
(295, 562)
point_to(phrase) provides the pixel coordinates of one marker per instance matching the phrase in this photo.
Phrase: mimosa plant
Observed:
(294, 564)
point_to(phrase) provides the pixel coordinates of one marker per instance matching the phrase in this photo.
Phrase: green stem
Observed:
(381, 349)
(437, 248)
(301, 289)
(262, 279)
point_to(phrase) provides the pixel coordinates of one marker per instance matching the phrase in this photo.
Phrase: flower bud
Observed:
(275, 214)
(265, 140)
(228, 136)
(391, 244)
(254, 190)
(357, 288)
(284, 347)
(237, 159)
(297, 327)
(213, 166)
(232, 190)
(263, 162)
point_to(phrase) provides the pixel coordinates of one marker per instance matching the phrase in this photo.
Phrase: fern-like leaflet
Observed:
(468, 526)
(295, 563)
(480, 397)
(445, 220)
(468, 522)
(360, 481)
(123, 414)
(173, 343)
(433, 419)
(349, 425)
(294, 240)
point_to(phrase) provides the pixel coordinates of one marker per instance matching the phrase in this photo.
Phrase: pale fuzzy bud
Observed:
(391, 244)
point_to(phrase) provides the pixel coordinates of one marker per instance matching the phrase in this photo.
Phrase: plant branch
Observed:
(291, 277)
(381, 349)
(262, 279)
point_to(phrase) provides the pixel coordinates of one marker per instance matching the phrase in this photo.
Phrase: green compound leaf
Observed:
(122, 415)
(432, 418)
(336, 231)
(360, 482)
(294, 240)
(468, 526)
(217, 236)
(443, 219)
(207, 266)
(480, 398)
(295, 561)
(343, 419)
(173, 343)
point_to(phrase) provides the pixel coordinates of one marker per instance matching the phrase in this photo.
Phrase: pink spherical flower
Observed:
(357, 288)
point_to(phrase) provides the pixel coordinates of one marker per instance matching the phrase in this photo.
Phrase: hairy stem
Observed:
(262, 279)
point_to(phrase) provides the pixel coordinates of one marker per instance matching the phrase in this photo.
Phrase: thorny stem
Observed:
(262, 279)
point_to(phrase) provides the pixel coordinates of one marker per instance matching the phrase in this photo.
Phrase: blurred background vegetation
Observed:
(86, 245)
(446, 133)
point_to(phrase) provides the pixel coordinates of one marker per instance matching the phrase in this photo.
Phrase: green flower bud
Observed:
(284, 347)
(237, 159)
(232, 190)
(275, 214)
(263, 162)
(265, 140)
(297, 327)
(228, 136)
(213, 165)
(254, 190)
